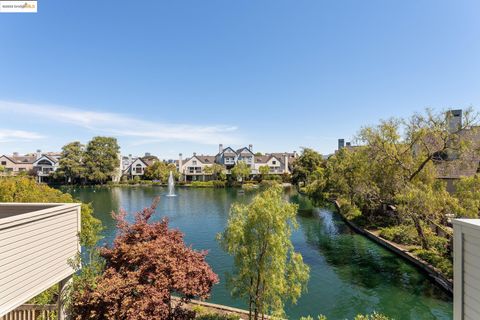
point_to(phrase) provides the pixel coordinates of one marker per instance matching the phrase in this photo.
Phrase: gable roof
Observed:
(203, 159)
(266, 158)
(131, 164)
(206, 159)
(244, 150)
(21, 159)
(228, 151)
(51, 159)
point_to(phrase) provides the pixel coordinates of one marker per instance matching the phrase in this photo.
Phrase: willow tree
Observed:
(218, 171)
(268, 272)
(241, 171)
(424, 204)
(467, 192)
(161, 171)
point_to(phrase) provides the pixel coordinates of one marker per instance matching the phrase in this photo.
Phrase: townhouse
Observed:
(39, 164)
(194, 168)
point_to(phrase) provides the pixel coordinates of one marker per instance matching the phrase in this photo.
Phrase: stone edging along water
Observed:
(439, 278)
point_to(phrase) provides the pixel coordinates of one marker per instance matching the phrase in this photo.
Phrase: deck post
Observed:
(62, 291)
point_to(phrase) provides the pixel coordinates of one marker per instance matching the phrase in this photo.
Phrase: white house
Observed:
(193, 169)
(136, 168)
(44, 166)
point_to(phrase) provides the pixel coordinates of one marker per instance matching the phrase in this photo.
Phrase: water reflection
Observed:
(349, 273)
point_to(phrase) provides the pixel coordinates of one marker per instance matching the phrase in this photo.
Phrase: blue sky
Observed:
(182, 76)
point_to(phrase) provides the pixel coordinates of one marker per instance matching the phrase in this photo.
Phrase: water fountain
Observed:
(171, 186)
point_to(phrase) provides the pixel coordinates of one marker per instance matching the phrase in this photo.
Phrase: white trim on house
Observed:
(136, 168)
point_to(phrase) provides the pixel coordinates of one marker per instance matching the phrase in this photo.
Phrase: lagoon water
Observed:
(349, 274)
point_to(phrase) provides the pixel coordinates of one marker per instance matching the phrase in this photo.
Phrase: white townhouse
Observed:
(193, 168)
(42, 165)
(136, 168)
(278, 163)
(45, 165)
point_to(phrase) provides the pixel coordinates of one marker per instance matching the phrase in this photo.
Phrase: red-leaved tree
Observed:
(147, 263)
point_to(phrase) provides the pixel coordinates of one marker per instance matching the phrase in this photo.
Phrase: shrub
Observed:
(373, 316)
(268, 183)
(219, 184)
(249, 186)
(202, 184)
(435, 259)
(403, 234)
(349, 211)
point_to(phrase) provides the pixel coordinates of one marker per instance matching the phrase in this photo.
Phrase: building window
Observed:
(274, 162)
(194, 162)
(138, 169)
(4, 163)
(44, 163)
(22, 169)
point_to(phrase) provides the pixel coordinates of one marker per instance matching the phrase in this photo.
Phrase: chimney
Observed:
(130, 159)
(285, 159)
(147, 154)
(180, 162)
(220, 148)
(194, 154)
(250, 147)
(454, 120)
(341, 144)
(39, 154)
(15, 154)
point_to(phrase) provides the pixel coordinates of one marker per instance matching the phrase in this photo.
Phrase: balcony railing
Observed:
(32, 312)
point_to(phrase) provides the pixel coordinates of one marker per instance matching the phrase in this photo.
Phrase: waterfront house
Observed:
(15, 164)
(45, 165)
(277, 163)
(193, 168)
(226, 156)
(136, 168)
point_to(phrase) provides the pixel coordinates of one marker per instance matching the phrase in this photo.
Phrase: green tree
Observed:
(70, 165)
(161, 171)
(424, 204)
(467, 191)
(217, 170)
(268, 271)
(305, 165)
(101, 159)
(264, 171)
(241, 171)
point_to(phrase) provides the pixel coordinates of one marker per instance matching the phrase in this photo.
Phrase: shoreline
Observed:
(431, 271)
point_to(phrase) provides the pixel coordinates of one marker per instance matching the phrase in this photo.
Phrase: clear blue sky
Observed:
(182, 76)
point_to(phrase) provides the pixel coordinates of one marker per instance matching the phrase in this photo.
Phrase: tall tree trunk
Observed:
(420, 232)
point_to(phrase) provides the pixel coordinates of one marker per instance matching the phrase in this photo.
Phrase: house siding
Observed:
(36, 244)
(467, 269)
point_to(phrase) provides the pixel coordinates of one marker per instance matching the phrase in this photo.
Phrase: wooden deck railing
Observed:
(32, 312)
